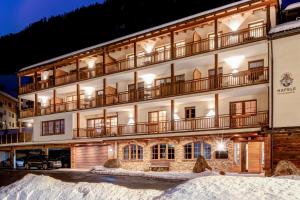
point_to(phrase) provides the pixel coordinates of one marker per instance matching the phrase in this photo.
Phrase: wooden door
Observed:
(212, 80)
(153, 120)
(242, 112)
(197, 45)
(131, 92)
(90, 156)
(255, 157)
(196, 86)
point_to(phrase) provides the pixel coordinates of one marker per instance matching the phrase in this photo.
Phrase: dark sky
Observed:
(17, 14)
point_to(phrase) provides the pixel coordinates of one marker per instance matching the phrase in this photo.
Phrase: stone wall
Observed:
(179, 163)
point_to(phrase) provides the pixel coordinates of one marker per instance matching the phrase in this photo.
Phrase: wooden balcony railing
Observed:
(15, 136)
(40, 85)
(225, 40)
(243, 78)
(259, 119)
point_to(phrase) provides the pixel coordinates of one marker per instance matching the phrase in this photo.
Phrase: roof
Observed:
(292, 6)
(137, 33)
(285, 27)
(8, 96)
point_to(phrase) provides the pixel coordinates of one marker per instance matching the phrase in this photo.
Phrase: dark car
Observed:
(42, 162)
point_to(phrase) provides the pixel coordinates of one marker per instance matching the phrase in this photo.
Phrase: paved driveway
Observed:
(9, 176)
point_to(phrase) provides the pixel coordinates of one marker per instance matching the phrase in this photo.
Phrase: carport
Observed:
(62, 154)
(22, 154)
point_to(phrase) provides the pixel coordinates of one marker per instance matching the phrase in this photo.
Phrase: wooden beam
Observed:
(216, 110)
(135, 79)
(35, 104)
(172, 115)
(173, 78)
(216, 71)
(216, 34)
(104, 91)
(35, 80)
(77, 69)
(104, 66)
(104, 118)
(54, 75)
(172, 42)
(135, 118)
(135, 55)
(268, 13)
(78, 95)
(54, 101)
(78, 123)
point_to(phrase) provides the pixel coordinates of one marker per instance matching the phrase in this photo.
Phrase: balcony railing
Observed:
(259, 119)
(243, 78)
(225, 40)
(15, 136)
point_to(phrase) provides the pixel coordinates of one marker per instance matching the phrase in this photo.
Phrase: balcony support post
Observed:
(77, 69)
(104, 91)
(104, 118)
(216, 34)
(19, 83)
(78, 95)
(54, 75)
(268, 18)
(216, 72)
(35, 104)
(20, 106)
(135, 78)
(134, 55)
(54, 101)
(103, 61)
(216, 110)
(172, 79)
(172, 45)
(172, 115)
(78, 124)
(135, 118)
(35, 80)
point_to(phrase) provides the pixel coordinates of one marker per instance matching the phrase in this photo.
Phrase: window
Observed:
(54, 127)
(130, 60)
(180, 49)
(206, 150)
(133, 152)
(256, 68)
(192, 150)
(243, 107)
(163, 53)
(163, 152)
(237, 153)
(221, 154)
(190, 112)
(13, 115)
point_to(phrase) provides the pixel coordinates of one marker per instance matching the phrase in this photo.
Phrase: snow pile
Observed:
(285, 26)
(159, 175)
(292, 6)
(33, 187)
(234, 187)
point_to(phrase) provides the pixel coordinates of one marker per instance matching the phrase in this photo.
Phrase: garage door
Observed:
(90, 156)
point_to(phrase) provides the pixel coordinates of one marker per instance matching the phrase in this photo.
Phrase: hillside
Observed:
(91, 25)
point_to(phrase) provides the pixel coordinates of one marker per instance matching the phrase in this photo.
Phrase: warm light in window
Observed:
(29, 125)
(235, 61)
(88, 91)
(176, 117)
(235, 21)
(91, 63)
(235, 71)
(130, 121)
(44, 100)
(44, 75)
(148, 46)
(148, 78)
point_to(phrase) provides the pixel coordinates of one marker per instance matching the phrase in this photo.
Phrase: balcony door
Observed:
(96, 126)
(242, 112)
(157, 121)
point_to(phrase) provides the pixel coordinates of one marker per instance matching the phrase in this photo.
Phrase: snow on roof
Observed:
(292, 6)
(285, 27)
(8, 96)
(138, 33)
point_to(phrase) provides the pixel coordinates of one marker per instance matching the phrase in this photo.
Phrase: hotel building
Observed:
(159, 98)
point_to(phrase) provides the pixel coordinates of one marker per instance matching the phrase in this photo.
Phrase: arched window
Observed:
(163, 152)
(133, 152)
(194, 150)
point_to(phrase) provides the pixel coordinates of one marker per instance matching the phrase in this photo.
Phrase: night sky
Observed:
(15, 15)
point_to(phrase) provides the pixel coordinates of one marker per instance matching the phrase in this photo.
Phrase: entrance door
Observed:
(241, 113)
(252, 155)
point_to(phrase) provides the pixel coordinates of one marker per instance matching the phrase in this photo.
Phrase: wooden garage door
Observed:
(90, 156)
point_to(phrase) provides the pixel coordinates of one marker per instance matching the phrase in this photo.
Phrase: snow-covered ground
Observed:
(160, 175)
(33, 187)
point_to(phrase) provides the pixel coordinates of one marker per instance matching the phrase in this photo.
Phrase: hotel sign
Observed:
(286, 83)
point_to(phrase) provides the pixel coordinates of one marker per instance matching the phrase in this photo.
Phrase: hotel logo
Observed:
(286, 82)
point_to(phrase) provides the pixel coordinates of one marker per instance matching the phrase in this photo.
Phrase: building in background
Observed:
(159, 98)
(8, 111)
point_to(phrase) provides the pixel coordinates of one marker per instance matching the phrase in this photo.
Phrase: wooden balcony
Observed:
(29, 112)
(180, 51)
(15, 136)
(259, 119)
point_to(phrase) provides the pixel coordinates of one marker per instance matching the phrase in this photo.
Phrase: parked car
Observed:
(20, 162)
(42, 162)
